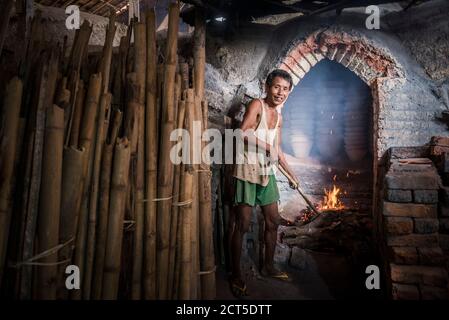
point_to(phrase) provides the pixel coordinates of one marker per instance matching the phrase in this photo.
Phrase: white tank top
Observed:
(268, 135)
(263, 132)
(260, 171)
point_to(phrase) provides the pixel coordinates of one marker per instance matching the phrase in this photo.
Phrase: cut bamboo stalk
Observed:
(195, 285)
(160, 86)
(186, 210)
(151, 156)
(103, 211)
(184, 70)
(77, 113)
(205, 224)
(136, 290)
(45, 90)
(79, 48)
(50, 202)
(165, 168)
(119, 186)
(72, 174)
(175, 209)
(89, 116)
(208, 287)
(115, 126)
(140, 58)
(8, 140)
(86, 140)
(73, 87)
(62, 99)
(199, 53)
(131, 124)
(106, 57)
(92, 221)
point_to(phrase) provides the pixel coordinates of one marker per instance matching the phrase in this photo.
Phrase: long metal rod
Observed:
(290, 179)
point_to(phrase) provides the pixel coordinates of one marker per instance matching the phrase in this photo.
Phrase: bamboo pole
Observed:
(208, 287)
(175, 208)
(106, 57)
(8, 140)
(195, 285)
(86, 140)
(140, 72)
(140, 59)
(77, 113)
(136, 290)
(178, 185)
(205, 224)
(50, 201)
(119, 186)
(151, 156)
(103, 211)
(184, 70)
(44, 96)
(79, 47)
(186, 211)
(199, 53)
(131, 113)
(72, 179)
(165, 172)
(93, 203)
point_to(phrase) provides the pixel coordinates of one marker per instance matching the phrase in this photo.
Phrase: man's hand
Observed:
(294, 184)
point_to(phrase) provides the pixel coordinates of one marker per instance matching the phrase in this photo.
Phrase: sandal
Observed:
(279, 275)
(238, 288)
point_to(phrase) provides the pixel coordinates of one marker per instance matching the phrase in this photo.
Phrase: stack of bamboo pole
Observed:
(86, 173)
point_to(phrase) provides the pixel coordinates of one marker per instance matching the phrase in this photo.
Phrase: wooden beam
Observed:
(103, 4)
(87, 4)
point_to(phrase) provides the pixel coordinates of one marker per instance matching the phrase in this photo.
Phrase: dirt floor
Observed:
(322, 276)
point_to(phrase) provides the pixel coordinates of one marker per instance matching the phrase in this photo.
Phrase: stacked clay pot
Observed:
(300, 127)
(329, 124)
(356, 127)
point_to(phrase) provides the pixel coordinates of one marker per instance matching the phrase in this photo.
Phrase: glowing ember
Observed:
(331, 201)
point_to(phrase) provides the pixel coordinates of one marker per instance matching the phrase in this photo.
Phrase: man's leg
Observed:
(242, 220)
(272, 219)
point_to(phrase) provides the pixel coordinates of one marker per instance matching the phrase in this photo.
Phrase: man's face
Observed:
(278, 92)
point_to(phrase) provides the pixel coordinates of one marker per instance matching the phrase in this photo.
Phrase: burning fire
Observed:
(331, 201)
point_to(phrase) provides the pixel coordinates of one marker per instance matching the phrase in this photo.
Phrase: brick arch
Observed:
(355, 53)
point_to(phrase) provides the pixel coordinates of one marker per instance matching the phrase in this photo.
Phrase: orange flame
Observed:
(331, 201)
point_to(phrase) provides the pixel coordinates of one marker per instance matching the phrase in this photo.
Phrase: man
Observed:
(255, 183)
